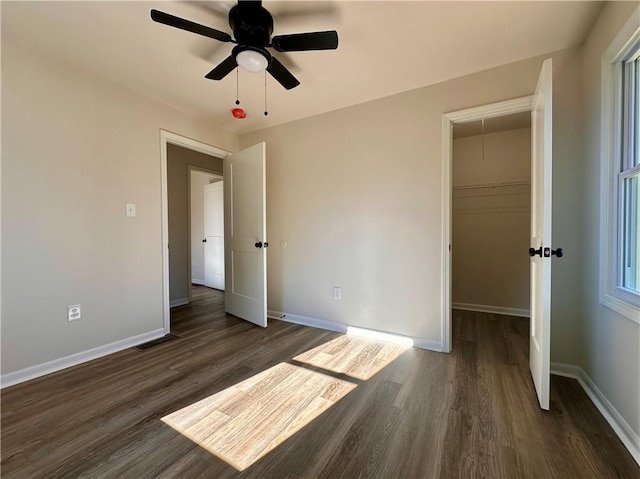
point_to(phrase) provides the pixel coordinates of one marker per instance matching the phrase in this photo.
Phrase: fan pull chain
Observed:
(265, 93)
(483, 140)
(237, 85)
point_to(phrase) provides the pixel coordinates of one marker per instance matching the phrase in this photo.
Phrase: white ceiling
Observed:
(385, 48)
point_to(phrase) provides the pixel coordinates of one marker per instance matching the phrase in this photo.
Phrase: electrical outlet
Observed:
(73, 313)
(337, 292)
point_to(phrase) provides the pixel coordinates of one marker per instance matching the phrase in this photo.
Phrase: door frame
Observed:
(166, 138)
(190, 170)
(517, 105)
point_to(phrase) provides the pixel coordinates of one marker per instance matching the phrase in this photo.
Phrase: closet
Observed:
(491, 205)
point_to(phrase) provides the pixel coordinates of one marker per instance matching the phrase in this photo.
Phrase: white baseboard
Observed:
(307, 321)
(178, 302)
(483, 308)
(628, 436)
(428, 344)
(38, 370)
(342, 328)
(198, 281)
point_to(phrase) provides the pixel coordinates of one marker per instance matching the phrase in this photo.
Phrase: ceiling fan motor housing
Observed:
(251, 24)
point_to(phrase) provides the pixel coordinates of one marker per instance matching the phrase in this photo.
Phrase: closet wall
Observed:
(491, 221)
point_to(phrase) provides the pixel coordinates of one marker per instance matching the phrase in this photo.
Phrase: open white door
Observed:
(214, 236)
(540, 252)
(245, 235)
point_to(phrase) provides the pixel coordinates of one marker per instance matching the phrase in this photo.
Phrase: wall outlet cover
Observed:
(73, 313)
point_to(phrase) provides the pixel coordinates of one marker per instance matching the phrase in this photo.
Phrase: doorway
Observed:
(175, 217)
(491, 215)
(496, 110)
(206, 211)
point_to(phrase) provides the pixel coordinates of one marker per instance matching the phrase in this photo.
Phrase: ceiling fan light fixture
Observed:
(252, 60)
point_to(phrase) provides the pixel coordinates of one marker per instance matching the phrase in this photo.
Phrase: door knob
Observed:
(258, 244)
(558, 252)
(266, 245)
(204, 240)
(533, 252)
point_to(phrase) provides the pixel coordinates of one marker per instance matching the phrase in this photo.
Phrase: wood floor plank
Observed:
(411, 414)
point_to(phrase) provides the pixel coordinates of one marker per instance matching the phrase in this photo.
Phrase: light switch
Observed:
(131, 209)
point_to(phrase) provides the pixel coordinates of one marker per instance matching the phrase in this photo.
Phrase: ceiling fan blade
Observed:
(223, 69)
(282, 75)
(299, 42)
(182, 24)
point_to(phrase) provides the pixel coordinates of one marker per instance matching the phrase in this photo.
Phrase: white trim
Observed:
(627, 435)
(167, 137)
(49, 367)
(379, 336)
(307, 321)
(625, 39)
(197, 281)
(428, 344)
(446, 225)
(342, 328)
(517, 105)
(621, 307)
(609, 151)
(483, 308)
(493, 110)
(178, 302)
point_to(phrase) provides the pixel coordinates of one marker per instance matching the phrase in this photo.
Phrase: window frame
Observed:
(615, 167)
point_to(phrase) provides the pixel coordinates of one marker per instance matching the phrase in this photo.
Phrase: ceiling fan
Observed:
(252, 26)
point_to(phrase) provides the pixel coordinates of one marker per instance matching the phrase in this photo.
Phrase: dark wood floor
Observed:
(471, 413)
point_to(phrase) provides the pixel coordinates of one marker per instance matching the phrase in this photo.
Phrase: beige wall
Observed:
(610, 350)
(198, 182)
(356, 196)
(75, 149)
(502, 156)
(490, 226)
(178, 161)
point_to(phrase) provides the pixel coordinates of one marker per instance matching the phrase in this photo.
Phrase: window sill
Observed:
(627, 310)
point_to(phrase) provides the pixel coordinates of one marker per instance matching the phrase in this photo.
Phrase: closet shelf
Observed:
(492, 196)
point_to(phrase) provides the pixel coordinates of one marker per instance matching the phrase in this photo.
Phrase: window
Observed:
(620, 256)
(629, 175)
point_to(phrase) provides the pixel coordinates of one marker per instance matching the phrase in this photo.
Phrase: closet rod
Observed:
(492, 185)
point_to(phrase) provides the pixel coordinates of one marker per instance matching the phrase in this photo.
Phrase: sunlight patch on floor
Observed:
(380, 336)
(244, 422)
(355, 356)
